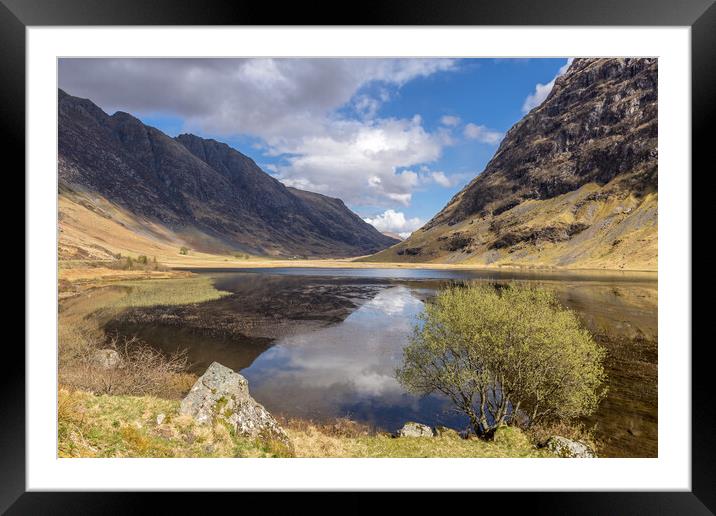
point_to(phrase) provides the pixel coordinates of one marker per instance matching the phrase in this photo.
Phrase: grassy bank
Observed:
(152, 292)
(146, 426)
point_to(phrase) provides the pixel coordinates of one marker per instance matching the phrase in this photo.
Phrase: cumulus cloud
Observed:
(394, 222)
(450, 121)
(291, 105)
(542, 90)
(425, 176)
(366, 106)
(440, 178)
(360, 162)
(482, 134)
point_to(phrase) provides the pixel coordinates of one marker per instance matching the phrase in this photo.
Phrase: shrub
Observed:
(141, 369)
(184, 250)
(508, 355)
(128, 263)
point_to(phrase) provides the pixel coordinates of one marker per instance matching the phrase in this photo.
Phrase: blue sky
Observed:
(395, 139)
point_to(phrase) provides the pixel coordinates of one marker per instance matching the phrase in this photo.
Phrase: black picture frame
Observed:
(700, 15)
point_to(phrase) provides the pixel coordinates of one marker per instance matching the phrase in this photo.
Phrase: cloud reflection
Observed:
(324, 373)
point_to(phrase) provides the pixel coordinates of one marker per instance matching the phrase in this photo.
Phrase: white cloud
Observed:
(441, 179)
(482, 134)
(366, 106)
(362, 162)
(403, 199)
(450, 121)
(394, 222)
(542, 90)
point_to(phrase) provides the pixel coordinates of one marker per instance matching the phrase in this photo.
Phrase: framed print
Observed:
(369, 257)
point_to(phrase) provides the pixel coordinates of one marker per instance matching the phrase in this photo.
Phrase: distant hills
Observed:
(573, 184)
(393, 235)
(121, 180)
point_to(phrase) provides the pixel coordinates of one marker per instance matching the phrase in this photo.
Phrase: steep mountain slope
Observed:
(574, 183)
(189, 189)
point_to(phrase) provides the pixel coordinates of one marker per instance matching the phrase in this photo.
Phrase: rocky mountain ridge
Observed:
(210, 195)
(573, 184)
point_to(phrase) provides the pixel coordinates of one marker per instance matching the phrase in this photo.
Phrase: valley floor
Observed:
(96, 419)
(98, 232)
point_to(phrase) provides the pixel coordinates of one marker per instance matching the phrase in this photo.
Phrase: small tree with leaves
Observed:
(507, 355)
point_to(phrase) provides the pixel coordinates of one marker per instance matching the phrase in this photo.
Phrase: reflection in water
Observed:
(235, 329)
(325, 343)
(235, 352)
(348, 369)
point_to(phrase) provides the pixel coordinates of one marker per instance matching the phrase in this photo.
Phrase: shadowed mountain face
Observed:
(201, 188)
(574, 183)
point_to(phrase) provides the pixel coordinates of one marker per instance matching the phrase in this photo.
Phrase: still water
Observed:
(325, 343)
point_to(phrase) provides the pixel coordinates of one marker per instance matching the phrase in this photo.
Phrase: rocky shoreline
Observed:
(222, 396)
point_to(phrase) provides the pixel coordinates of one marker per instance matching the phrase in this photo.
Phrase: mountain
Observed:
(186, 190)
(391, 234)
(573, 184)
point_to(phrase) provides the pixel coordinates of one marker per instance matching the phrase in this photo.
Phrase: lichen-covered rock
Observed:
(223, 394)
(107, 358)
(568, 448)
(412, 429)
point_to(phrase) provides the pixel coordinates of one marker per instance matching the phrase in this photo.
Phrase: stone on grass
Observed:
(412, 429)
(569, 448)
(107, 358)
(222, 394)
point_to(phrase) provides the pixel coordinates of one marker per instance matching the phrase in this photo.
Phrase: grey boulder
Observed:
(569, 448)
(412, 429)
(107, 358)
(223, 394)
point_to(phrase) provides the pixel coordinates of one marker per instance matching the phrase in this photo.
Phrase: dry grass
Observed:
(313, 441)
(141, 369)
(151, 292)
(76, 278)
(127, 426)
(96, 229)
